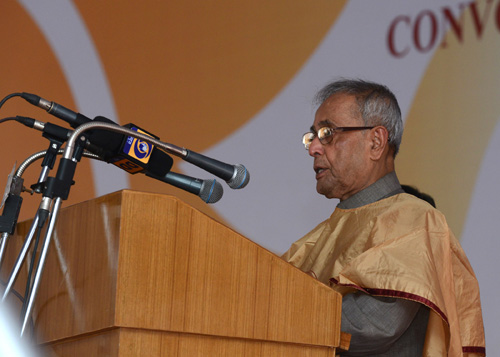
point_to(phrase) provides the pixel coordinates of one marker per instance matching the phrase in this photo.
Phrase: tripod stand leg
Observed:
(5, 237)
(41, 262)
(21, 257)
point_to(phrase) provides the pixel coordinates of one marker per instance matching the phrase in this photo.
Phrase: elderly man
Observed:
(408, 289)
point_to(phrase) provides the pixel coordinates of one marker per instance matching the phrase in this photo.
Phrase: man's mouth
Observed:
(319, 171)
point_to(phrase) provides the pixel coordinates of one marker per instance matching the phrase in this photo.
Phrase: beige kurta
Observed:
(402, 247)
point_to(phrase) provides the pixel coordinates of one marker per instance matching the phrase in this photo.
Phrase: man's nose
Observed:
(316, 148)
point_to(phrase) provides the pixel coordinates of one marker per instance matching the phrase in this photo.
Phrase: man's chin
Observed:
(326, 193)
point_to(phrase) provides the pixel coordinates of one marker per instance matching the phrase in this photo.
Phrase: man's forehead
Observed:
(337, 110)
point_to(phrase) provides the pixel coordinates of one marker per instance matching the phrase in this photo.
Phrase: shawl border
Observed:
(396, 293)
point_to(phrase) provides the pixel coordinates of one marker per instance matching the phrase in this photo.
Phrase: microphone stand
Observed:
(47, 165)
(16, 189)
(43, 213)
(55, 190)
(40, 217)
(57, 136)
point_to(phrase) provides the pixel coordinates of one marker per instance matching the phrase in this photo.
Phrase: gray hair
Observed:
(376, 103)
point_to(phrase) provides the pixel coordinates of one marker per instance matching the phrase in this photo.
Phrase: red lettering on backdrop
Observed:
(479, 23)
(498, 16)
(427, 22)
(390, 36)
(456, 26)
(433, 31)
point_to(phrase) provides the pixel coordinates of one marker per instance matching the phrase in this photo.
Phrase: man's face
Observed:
(342, 166)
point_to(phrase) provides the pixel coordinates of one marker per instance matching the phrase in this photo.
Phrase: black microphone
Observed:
(48, 129)
(210, 191)
(128, 153)
(236, 176)
(57, 110)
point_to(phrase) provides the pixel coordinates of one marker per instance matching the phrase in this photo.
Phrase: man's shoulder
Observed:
(405, 201)
(399, 213)
(416, 206)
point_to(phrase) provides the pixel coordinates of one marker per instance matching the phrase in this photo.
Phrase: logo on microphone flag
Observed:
(138, 149)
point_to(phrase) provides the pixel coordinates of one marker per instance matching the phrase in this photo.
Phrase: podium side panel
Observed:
(181, 271)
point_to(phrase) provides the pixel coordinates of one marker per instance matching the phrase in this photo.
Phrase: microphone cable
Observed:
(8, 119)
(2, 102)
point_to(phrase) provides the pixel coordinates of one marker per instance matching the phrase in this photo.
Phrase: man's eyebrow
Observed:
(322, 124)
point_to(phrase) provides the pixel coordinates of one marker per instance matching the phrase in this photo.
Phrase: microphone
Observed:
(210, 191)
(236, 176)
(48, 129)
(57, 110)
(128, 153)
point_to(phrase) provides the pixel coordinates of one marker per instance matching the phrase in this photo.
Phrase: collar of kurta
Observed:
(385, 187)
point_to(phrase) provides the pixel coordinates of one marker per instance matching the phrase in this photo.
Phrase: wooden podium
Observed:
(139, 274)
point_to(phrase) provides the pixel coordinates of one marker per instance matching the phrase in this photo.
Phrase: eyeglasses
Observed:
(325, 134)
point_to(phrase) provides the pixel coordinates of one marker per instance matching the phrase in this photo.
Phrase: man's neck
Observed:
(385, 187)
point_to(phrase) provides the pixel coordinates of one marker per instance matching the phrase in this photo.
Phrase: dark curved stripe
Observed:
(474, 349)
(395, 293)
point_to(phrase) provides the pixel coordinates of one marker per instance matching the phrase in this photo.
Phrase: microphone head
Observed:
(211, 191)
(240, 177)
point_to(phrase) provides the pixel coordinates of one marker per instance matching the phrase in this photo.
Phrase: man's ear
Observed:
(379, 142)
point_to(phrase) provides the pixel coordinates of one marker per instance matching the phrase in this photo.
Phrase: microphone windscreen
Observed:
(159, 163)
(108, 142)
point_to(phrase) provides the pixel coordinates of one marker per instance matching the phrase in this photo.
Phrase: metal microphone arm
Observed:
(169, 148)
(37, 156)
